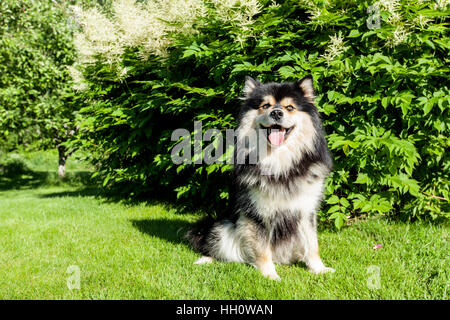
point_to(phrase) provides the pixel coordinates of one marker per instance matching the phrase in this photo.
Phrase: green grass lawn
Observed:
(137, 251)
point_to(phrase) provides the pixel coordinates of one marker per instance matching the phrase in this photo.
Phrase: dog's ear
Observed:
(306, 85)
(250, 85)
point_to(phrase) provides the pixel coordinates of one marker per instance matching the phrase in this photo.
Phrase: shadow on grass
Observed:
(84, 192)
(16, 175)
(20, 177)
(26, 180)
(172, 230)
(36, 179)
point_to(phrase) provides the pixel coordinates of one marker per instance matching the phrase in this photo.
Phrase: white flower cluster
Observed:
(422, 21)
(403, 27)
(148, 26)
(133, 25)
(441, 4)
(335, 48)
(314, 10)
(391, 6)
(395, 19)
(98, 36)
(237, 12)
(399, 36)
(77, 78)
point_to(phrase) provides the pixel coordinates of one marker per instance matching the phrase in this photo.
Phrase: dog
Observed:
(272, 217)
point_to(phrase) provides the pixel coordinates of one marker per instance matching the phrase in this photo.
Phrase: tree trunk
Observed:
(62, 162)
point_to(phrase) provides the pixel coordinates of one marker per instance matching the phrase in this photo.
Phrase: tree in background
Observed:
(36, 97)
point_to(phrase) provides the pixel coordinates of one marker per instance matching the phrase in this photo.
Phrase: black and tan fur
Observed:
(274, 201)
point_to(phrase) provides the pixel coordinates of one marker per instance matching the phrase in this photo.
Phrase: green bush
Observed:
(12, 165)
(380, 73)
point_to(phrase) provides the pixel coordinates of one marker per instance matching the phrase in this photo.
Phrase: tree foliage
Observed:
(35, 50)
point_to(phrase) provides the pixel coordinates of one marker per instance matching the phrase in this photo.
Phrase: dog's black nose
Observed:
(276, 114)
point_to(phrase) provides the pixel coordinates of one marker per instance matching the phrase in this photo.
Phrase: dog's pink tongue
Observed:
(276, 137)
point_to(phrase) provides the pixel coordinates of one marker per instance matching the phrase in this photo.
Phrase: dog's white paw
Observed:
(322, 270)
(272, 276)
(204, 260)
(268, 270)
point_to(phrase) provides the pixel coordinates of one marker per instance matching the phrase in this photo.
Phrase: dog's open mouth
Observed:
(277, 134)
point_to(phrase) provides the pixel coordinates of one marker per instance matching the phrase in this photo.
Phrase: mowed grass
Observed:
(137, 251)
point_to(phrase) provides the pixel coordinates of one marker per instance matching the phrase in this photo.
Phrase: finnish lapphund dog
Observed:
(272, 218)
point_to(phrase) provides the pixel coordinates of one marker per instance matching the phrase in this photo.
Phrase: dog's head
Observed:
(284, 111)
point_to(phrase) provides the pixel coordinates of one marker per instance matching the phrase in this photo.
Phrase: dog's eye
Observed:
(290, 108)
(266, 106)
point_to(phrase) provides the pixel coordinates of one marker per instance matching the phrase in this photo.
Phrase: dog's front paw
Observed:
(272, 276)
(268, 270)
(321, 270)
(204, 260)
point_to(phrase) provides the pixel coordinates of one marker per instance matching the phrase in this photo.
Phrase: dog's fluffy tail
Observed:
(198, 235)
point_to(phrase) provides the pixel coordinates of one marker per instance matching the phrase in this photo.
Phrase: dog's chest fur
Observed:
(298, 196)
(283, 205)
